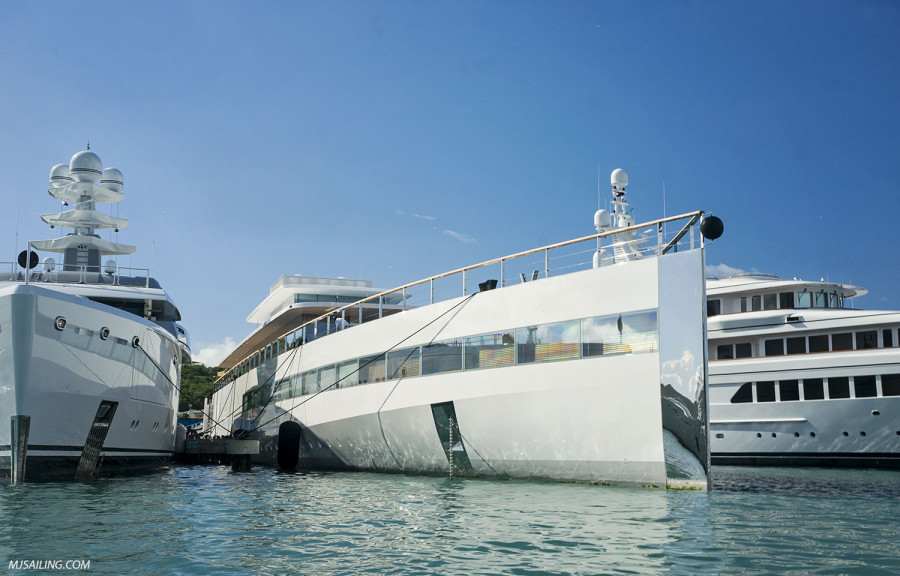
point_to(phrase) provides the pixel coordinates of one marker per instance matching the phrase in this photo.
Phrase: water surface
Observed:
(208, 520)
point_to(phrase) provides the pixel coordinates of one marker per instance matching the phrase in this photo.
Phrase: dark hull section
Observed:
(55, 468)
(832, 460)
(296, 449)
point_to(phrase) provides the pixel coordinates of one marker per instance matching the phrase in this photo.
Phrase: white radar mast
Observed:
(82, 184)
(625, 244)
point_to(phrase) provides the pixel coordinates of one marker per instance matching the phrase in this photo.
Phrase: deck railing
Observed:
(80, 274)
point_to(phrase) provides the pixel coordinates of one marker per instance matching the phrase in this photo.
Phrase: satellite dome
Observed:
(59, 176)
(85, 166)
(112, 179)
(618, 178)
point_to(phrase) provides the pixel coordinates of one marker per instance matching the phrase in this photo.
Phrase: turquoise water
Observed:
(208, 520)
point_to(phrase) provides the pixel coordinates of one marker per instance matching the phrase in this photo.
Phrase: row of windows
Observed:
(818, 389)
(861, 340)
(636, 332)
(781, 301)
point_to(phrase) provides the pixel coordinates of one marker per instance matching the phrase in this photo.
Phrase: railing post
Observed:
(432, 291)
(404, 298)
(464, 282)
(381, 306)
(546, 263)
(659, 239)
(502, 273)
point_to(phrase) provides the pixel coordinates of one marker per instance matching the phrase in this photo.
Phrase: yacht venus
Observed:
(583, 360)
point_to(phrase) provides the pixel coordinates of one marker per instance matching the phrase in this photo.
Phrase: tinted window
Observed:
(842, 341)
(787, 299)
(796, 345)
(888, 336)
(839, 387)
(867, 339)
(775, 347)
(890, 385)
(744, 394)
(804, 300)
(818, 343)
(865, 386)
(790, 390)
(403, 363)
(713, 307)
(548, 342)
(493, 350)
(757, 303)
(442, 357)
(813, 389)
(371, 369)
(743, 303)
(770, 301)
(765, 391)
(743, 350)
(725, 352)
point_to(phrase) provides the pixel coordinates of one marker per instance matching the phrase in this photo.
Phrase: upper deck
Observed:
(293, 325)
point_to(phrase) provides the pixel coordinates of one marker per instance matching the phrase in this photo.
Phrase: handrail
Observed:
(80, 270)
(694, 216)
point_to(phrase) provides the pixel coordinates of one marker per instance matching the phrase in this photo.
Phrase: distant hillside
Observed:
(196, 384)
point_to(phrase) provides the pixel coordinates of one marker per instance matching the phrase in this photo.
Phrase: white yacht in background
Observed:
(799, 378)
(90, 353)
(534, 365)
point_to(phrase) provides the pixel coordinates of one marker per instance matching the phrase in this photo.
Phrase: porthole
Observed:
(135, 341)
(773, 435)
(758, 435)
(796, 434)
(862, 433)
(812, 434)
(60, 323)
(875, 412)
(720, 435)
(104, 333)
(846, 433)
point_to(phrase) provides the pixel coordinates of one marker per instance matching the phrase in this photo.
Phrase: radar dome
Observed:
(110, 267)
(59, 176)
(618, 178)
(49, 264)
(112, 179)
(601, 220)
(85, 166)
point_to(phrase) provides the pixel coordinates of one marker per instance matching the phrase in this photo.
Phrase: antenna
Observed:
(18, 211)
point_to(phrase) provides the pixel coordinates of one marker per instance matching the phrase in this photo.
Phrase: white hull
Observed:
(58, 378)
(822, 432)
(614, 418)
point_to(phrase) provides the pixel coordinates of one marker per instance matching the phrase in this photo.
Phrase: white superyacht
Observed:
(798, 377)
(533, 365)
(90, 352)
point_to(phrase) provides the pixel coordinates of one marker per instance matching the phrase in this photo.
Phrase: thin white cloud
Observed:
(461, 237)
(213, 354)
(414, 215)
(724, 271)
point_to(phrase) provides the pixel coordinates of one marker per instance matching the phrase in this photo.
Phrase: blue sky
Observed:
(397, 140)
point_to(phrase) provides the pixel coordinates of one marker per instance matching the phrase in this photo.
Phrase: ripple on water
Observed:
(207, 520)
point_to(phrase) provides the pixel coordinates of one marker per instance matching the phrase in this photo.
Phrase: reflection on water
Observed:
(196, 520)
